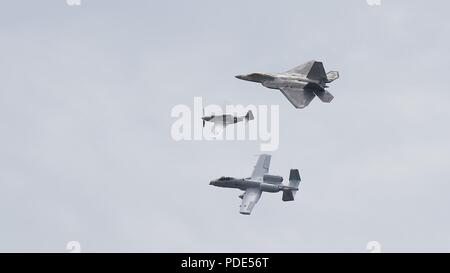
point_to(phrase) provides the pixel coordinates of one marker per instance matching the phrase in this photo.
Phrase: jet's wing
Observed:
(262, 166)
(299, 97)
(249, 200)
(312, 70)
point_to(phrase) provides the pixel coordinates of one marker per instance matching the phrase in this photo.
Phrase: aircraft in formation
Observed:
(299, 85)
(260, 181)
(226, 119)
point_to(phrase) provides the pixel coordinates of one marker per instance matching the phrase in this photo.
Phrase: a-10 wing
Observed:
(261, 167)
(249, 200)
(252, 195)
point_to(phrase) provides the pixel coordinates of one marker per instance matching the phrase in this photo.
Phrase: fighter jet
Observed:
(299, 85)
(226, 119)
(260, 182)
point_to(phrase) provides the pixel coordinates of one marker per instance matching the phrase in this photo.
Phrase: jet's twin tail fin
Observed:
(317, 72)
(294, 181)
(314, 70)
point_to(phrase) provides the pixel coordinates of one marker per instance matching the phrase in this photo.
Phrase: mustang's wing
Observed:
(312, 70)
(249, 200)
(261, 167)
(299, 97)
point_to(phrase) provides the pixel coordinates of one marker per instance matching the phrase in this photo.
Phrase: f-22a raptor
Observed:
(299, 85)
(258, 183)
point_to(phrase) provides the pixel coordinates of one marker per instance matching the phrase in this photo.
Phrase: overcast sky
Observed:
(86, 152)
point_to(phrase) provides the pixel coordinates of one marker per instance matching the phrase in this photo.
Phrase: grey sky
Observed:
(86, 152)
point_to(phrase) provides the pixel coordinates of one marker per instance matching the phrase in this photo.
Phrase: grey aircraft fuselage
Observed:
(247, 183)
(227, 119)
(223, 119)
(282, 80)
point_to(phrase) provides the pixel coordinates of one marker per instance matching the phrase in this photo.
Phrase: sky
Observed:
(86, 152)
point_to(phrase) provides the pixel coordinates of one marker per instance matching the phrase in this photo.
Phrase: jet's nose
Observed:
(212, 183)
(241, 77)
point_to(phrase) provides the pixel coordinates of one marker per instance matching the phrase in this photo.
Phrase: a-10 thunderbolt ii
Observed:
(299, 85)
(258, 183)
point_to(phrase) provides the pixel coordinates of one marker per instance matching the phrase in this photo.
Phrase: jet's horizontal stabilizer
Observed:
(294, 181)
(288, 195)
(324, 95)
(332, 75)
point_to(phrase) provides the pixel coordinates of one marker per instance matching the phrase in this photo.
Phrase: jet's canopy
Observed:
(225, 178)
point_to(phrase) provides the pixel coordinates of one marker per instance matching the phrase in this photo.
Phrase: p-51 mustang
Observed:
(226, 119)
(260, 182)
(299, 85)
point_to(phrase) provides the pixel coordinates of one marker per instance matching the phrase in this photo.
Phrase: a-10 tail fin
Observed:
(294, 181)
(332, 75)
(249, 115)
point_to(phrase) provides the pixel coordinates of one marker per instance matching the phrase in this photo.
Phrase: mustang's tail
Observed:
(249, 115)
(294, 181)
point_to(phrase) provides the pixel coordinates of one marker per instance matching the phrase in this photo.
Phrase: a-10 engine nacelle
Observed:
(272, 179)
(271, 183)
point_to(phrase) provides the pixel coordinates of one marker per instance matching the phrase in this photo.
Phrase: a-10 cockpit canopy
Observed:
(225, 178)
